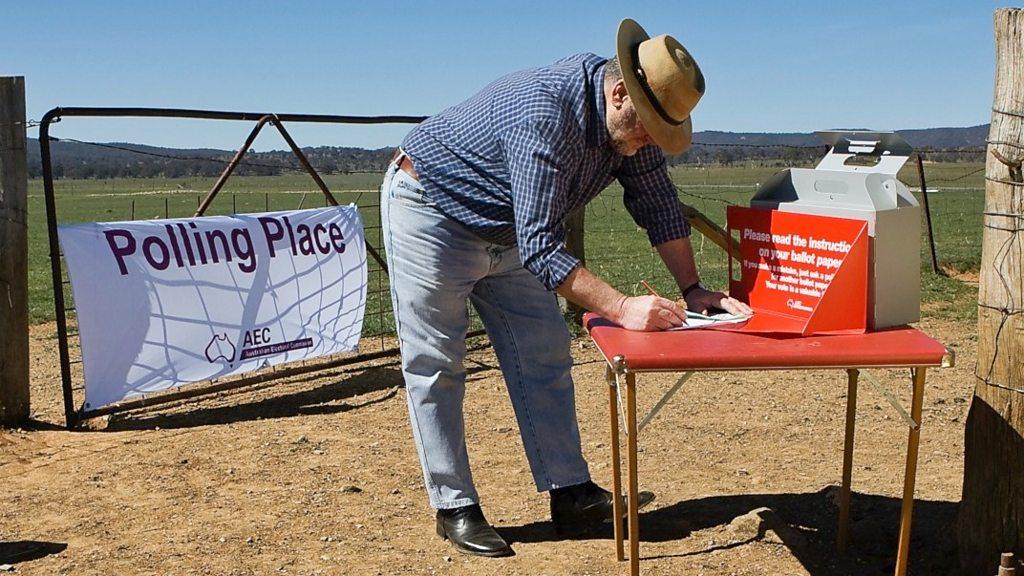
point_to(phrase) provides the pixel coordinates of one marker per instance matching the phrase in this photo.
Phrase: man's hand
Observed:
(678, 257)
(701, 300)
(649, 313)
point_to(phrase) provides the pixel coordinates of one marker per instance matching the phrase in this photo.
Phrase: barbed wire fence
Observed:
(956, 195)
(617, 250)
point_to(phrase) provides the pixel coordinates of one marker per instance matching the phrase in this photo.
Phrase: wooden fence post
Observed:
(14, 401)
(991, 517)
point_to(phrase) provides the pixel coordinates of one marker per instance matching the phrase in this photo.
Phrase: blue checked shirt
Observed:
(514, 160)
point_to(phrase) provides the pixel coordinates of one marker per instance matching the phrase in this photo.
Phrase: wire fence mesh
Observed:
(617, 249)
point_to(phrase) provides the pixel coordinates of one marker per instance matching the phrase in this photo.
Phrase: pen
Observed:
(650, 288)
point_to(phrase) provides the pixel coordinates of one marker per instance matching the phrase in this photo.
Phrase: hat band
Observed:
(642, 78)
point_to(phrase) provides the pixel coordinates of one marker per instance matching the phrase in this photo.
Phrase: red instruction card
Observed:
(801, 273)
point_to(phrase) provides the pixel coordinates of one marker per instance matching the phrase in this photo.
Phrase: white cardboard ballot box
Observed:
(845, 185)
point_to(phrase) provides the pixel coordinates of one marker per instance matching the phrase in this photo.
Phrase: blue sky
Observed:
(793, 66)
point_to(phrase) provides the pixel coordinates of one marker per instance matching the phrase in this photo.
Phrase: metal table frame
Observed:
(619, 376)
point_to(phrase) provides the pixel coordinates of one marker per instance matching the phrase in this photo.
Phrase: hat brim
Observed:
(673, 139)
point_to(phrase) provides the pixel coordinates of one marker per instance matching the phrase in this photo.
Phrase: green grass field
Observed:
(616, 249)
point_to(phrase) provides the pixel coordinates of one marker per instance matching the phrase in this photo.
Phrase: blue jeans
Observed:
(436, 266)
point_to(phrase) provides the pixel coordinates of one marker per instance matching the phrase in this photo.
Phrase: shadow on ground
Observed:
(27, 550)
(42, 426)
(807, 527)
(329, 398)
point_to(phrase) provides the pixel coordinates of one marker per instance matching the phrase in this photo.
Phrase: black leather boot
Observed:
(583, 507)
(470, 532)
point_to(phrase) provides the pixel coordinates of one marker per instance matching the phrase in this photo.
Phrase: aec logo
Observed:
(220, 348)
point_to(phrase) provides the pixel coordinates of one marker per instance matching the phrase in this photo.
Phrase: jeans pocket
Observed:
(406, 190)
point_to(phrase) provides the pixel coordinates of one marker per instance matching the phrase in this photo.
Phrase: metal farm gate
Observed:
(378, 343)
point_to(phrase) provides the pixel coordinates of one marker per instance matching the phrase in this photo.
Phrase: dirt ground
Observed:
(319, 476)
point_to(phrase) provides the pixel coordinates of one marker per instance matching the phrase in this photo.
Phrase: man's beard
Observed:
(622, 148)
(624, 124)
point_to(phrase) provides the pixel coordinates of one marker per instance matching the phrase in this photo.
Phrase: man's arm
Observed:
(541, 169)
(678, 257)
(651, 198)
(582, 287)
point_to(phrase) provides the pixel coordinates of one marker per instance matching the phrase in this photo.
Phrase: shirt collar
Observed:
(597, 131)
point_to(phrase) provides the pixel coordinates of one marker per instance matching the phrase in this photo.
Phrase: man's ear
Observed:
(619, 94)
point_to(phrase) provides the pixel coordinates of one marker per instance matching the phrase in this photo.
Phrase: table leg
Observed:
(903, 549)
(843, 537)
(632, 500)
(613, 404)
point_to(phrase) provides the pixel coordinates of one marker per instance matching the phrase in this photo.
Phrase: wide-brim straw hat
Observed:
(664, 83)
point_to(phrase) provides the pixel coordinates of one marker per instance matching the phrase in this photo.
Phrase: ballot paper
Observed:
(698, 320)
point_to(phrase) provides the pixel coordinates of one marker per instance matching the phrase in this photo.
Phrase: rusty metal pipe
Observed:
(231, 166)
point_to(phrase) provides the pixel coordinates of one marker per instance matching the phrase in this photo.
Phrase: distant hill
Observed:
(800, 148)
(973, 137)
(124, 160)
(969, 137)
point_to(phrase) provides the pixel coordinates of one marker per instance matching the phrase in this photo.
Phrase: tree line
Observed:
(79, 160)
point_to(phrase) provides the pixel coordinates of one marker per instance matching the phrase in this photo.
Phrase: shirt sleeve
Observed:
(540, 169)
(650, 196)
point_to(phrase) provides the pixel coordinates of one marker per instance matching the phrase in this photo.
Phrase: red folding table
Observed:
(629, 353)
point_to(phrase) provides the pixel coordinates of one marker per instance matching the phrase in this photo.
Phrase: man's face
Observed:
(626, 131)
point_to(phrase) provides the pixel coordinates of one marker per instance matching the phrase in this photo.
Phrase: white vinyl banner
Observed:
(163, 303)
